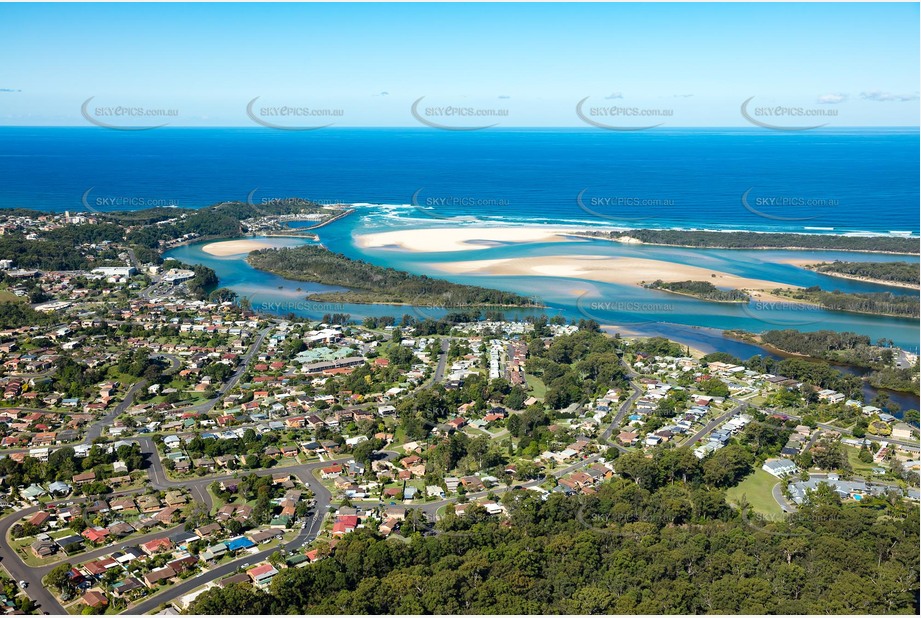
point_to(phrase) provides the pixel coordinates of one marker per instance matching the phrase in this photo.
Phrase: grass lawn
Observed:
(860, 468)
(21, 546)
(399, 435)
(536, 386)
(8, 297)
(757, 490)
(215, 500)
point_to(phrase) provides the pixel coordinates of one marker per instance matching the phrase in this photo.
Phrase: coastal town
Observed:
(606, 308)
(156, 444)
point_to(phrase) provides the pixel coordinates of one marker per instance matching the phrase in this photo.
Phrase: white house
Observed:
(779, 467)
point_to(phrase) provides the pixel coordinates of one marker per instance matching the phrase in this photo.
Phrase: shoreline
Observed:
(226, 248)
(689, 295)
(614, 270)
(434, 239)
(448, 239)
(893, 284)
(314, 297)
(636, 241)
(854, 311)
(755, 339)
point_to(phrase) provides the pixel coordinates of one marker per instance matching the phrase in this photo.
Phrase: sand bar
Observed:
(235, 247)
(798, 262)
(442, 239)
(618, 270)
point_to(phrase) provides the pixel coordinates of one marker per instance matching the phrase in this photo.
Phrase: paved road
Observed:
(713, 424)
(94, 431)
(134, 259)
(206, 406)
(188, 585)
(439, 373)
(33, 575)
(322, 498)
(622, 411)
(785, 506)
(198, 488)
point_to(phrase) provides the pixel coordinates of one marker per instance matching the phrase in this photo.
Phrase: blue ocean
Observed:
(841, 181)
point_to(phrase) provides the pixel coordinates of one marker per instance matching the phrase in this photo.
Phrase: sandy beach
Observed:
(806, 263)
(442, 239)
(235, 247)
(798, 262)
(618, 270)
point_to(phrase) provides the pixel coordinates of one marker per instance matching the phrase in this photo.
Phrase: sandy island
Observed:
(234, 247)
(618, 270)
(442, 239)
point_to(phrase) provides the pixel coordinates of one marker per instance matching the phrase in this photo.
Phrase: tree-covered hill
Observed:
(677, 548)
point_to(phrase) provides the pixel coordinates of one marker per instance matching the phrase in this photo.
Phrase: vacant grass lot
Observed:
(757, 490)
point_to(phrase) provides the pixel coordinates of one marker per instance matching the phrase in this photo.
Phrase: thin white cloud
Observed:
(683, 96)
(832, 99)
(878, 95)
(615, 95)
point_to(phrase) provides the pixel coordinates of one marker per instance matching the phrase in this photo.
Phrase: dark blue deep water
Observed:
(862, 180)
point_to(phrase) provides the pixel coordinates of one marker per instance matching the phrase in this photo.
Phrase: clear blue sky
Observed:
(372, 61)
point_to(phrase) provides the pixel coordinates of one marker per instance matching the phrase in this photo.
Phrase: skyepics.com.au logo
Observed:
(121, 117)
(783, 117)
(105, 204)
(438, 206)
(451, 116)
(787, 207)
(268, 206)
(296, 117)
(788, 314)
(306, 307)
(623, 207)
(622, 117)
(611, 310)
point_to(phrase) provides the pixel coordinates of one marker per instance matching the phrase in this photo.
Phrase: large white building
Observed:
(177, 275)
(115, 271)
(779, 467)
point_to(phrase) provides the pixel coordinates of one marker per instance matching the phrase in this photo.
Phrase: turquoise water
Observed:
(623, 308)
(627, 307)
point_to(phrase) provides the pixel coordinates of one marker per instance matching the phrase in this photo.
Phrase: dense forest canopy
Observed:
(700, 289)
(368, 283)
(42, 254)
(875, 303)
(757, 240)
(676, 547)
(150, 226)
(841, 348)
(897, 272)
(846, 347)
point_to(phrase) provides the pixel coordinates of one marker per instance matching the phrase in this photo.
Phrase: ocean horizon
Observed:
(829, 181)
(823, 181)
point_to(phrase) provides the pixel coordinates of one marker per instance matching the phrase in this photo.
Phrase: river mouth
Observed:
(626, 309)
